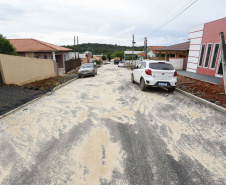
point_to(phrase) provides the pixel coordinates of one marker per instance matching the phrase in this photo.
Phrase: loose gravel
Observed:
(12, 97)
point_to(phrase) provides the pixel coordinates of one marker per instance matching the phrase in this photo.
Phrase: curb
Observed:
(202, 80)
(205, 102)
(36, 99)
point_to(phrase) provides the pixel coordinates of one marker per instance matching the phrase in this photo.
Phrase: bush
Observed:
(6, 47)
(97, 61)
(103, 57)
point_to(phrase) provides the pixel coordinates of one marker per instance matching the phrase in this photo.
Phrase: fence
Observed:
(20, 70)
(72, 64)
(132, 63)
(178, 63)
(156, 58)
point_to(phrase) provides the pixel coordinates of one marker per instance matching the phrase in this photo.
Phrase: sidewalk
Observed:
(207, 78)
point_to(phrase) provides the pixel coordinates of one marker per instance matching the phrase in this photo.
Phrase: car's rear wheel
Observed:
(132, 78)
(93, 74)
(142, 85)
(171, 89)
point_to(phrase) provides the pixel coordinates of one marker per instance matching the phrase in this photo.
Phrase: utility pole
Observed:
(78, 46)
(74, 47)
(133, 49)
(145, 48)
(223, 56)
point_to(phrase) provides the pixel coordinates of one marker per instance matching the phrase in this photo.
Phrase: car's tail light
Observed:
(148, 71)
(175, 73)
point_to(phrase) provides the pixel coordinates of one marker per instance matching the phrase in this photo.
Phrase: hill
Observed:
(98, 49)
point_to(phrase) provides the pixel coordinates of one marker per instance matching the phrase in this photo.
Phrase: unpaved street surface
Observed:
(104, 130)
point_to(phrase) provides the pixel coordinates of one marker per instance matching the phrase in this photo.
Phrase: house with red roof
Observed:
(180, 50)
(38, 49)
(140, 56)
(151, 51)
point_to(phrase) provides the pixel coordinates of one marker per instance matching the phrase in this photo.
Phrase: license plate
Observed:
(162, 84)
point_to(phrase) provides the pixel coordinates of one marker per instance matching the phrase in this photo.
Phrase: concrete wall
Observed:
(177, 63)
(21, 70)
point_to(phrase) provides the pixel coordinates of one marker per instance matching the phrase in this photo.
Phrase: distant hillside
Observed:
(97, 49)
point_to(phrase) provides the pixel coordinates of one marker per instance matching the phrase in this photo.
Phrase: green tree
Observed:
(6, 47)
(103, 57)
(109, 56)
(118, 54)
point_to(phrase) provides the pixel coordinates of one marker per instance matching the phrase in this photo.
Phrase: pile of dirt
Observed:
(208, 91)
(47, 84)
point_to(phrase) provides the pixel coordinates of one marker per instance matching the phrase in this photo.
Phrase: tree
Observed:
(6, 47)
(118, 54)
(103, 57)
(109, 56)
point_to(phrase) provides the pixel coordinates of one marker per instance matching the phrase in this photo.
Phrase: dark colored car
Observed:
(87, 69)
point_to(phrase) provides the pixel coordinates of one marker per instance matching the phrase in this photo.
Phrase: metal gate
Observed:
(1, 80)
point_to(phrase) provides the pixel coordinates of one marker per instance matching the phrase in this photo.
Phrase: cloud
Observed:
(105, 21)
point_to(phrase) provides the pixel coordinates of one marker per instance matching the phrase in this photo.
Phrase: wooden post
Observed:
(223, 56)
(74, 47)
(78, 46)
(166, 56)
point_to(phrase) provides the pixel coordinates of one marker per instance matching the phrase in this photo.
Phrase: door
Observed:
(220, 68)
(136, 72)
(141, 71)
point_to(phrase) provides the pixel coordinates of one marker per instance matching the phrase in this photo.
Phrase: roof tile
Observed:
(177, 47)
(26, 45)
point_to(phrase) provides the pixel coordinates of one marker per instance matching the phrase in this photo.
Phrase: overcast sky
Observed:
(106, 21)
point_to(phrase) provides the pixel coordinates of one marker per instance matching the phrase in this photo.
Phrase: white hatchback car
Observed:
(154, 73)
(121, 64)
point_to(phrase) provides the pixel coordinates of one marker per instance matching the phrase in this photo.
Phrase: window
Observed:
(201, 56)
(215, 54)
(143, 65)
(65, 57)
(161, 66)
(209, 47)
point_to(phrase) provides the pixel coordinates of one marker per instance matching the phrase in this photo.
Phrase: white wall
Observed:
(177, 63)
(195, 35)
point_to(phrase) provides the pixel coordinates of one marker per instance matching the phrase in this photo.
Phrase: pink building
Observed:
(204, 54)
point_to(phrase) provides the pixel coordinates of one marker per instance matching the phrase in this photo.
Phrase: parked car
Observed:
(108, 62)
(116, 60)
(152, 73)
(87, 69)
(121, 64)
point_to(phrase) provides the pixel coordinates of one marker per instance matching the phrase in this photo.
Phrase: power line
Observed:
(168, 5)
(173, 18)
(184, 9)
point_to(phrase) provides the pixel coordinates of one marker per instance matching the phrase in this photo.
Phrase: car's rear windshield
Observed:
(161, 66)
(86, 65)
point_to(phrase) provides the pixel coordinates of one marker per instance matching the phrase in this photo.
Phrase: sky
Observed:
(106, 21)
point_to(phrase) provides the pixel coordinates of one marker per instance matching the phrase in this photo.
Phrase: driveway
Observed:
(104, 130)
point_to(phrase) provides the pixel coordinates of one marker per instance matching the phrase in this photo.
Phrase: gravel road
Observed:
(104, 130)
